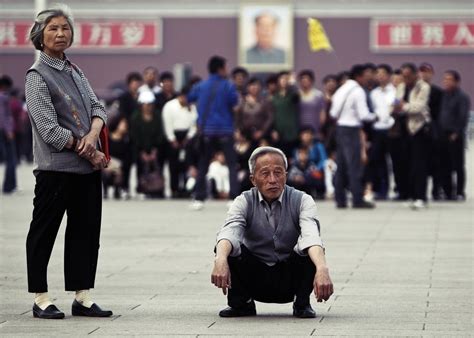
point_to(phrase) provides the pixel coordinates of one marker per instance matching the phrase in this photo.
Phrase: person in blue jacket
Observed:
(215, 99)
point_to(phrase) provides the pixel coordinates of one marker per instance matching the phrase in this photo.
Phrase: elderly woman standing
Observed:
(66, 119)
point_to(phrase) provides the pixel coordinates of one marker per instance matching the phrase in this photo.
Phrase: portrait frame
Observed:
(280, 55)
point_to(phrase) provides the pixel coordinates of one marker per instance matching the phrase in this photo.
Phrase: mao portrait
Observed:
(266, 37)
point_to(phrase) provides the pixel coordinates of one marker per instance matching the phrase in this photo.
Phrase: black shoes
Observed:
(247, 311)
(363, 205)
(51, 312)
(305, 311)
(93, 311)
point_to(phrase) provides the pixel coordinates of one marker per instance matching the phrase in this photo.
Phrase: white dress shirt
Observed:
(349, 105)
(177, 117)
(382, 100)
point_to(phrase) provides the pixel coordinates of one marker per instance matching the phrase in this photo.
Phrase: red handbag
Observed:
(104, 142)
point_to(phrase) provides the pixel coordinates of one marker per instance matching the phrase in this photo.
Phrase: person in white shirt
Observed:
(179, 120)
(382, 98)
(150, 77)
(218, 176)
(349, 109)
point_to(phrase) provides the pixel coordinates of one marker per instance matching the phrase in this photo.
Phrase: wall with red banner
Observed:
(423, 35)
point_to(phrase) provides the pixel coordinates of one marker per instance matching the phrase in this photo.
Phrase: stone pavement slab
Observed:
(396, 272)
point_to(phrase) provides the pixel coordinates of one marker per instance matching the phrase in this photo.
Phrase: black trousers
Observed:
(453, 160)
(419, 157)
(178, 167)
(398, 148)
(378, 167)
(349, 167)
(212, 144)
(80, 196)
(280, 283)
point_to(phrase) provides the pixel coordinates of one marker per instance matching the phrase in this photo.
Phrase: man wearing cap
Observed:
(426, 72)
(269, 248)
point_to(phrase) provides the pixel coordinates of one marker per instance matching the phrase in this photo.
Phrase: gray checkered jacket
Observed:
(60, 104)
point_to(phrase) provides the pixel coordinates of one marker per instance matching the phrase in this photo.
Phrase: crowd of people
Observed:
(362, 126)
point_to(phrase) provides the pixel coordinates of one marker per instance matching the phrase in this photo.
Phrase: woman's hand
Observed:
(87, 145)
(98, 160)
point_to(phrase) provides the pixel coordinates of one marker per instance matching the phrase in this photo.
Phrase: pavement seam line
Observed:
(93, 331)
(211, 325)
(312, 332)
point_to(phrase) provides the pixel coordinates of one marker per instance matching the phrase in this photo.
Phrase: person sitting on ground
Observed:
(269, 248)
(305, 175)
(218, 176)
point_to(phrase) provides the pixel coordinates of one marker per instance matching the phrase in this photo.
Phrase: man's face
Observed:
(265, 29)
(306, 82)
(134, 85)
(254, 89)
(167, 85)
(449, 83)
(330, 86)
(382, 76)
(239, 80)
(397, 79)
(409, 77)
(426, 75)
(269, 176)
(149, 76)
(283, 80)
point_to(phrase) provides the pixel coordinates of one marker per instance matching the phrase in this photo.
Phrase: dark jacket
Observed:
(454, 114)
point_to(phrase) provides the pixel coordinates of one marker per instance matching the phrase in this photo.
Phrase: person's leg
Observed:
(340, 179)
(227, 144)
(383, 168)
(9, 182)
(81, 247)
(394, 150)
(203, 166)
(352, 154)
(174, 169)
(420, 159)
(446, 166)
(459, 165)
(49, 205)
(303, 272)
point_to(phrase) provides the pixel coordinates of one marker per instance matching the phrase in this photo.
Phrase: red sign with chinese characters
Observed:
(104, 36)
(422, 35)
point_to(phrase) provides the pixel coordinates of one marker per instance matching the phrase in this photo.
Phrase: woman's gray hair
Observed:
(260, 151)
(42, 20)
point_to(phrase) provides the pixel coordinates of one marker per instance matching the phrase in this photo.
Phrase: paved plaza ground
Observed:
(396, 272)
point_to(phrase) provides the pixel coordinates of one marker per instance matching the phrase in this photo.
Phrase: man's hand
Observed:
(220, 276)
(453, 137)
(323, 288)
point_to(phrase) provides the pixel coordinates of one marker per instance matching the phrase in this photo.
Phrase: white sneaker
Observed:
(369, 197)
(196, 205)
(418, 204)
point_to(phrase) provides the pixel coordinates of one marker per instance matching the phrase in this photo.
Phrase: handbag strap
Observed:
(206, 112)
(343, 105)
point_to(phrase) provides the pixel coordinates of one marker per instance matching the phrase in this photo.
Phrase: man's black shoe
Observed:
(303, 311)
(364, 205)
(51, 312)
(341, 206)
(247, 311)
(94, 311)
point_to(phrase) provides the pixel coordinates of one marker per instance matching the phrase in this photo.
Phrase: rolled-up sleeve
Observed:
(309, 224)
(234, 226)
(42, 112)
(98, 109)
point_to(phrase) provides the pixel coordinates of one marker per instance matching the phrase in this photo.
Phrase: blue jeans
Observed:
(8, 149)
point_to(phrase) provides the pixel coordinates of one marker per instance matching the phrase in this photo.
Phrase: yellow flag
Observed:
(317, 37)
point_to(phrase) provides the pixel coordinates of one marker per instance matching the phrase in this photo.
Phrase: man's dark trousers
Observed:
(280, 283)
(349, 167)
(453, 159)
(210, 145)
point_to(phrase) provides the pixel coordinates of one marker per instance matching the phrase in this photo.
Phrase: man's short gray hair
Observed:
(42, 20)
(260, 151)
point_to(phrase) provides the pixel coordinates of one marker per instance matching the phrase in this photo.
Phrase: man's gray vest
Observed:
(260, 238)
(73, 108)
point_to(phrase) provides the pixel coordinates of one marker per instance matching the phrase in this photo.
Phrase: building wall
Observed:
(193, 40)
